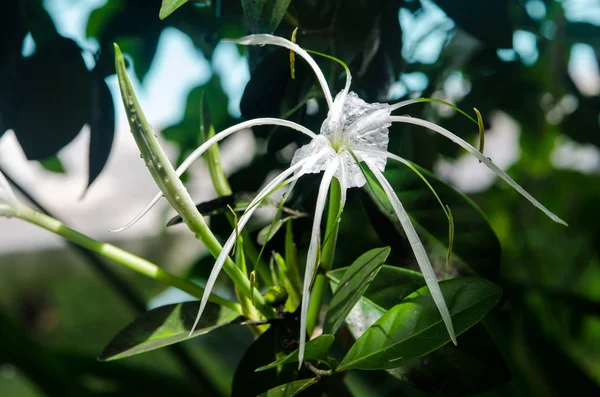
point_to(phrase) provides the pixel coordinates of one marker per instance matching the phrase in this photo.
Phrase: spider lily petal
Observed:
(418, 249)
(262, 39)
(8, 201)
(459, 141)
(311, 257)
(206, 145)
(265, 192)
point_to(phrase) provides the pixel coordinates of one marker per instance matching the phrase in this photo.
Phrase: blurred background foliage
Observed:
(512, 57)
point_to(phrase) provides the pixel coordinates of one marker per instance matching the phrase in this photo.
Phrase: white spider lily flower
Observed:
(8, 202)
(353, 128)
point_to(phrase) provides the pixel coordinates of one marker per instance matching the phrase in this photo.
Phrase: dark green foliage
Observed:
(542, 339)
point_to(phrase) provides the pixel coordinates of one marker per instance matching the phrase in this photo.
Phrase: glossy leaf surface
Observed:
(414, 327)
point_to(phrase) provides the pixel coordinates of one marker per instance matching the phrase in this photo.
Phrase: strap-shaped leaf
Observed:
(354, 283)
(414, 327)
(165, 326)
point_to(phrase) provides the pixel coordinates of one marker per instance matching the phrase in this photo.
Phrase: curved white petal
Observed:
(418, 249)
(311, 257)
(263, 39)
(8, 201)
(407, 102)
(253, 206)
(206, 145)
(459, 141)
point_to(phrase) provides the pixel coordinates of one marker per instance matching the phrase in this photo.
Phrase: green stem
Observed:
(331, 232)
(118, 255)
(328, 253)
(316, 298)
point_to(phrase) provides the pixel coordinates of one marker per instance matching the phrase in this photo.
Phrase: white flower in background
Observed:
(8, 201)
(353, 128)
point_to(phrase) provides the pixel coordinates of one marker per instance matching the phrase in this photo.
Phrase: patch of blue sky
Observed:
(234, 73)
(525, 45)
(582, 11)
(177, 68)
(536, 9)
(424, 33)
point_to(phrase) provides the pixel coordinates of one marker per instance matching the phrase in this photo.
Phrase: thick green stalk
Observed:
(118, 255)
(331, 231)
(328, 253)
(166, 178)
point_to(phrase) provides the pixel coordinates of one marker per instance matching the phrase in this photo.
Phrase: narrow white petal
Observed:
(418, 249)
(8, 201)
(311, 257)
(253, 206)
(262, 39)
(444, 132)
(407, 102)
(206, 145)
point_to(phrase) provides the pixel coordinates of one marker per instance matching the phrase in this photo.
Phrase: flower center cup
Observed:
(351, 125)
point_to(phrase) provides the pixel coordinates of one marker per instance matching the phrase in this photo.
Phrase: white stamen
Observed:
(444, 132)
(418, 249)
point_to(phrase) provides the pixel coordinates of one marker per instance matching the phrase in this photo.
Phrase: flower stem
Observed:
(118, 255)
(166, 178)
(328, 253)
(331, 231)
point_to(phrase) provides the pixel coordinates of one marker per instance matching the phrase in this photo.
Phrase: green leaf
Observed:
(391, 285)
(354, 283)
(414, 327)
(165, 326)
(52, 164)
(316, 349)
(476, 249)
(102, 127)
(169, 6)
(51, 98)
(263, 16)
(475, 365)
(268, 232)
(290, 389)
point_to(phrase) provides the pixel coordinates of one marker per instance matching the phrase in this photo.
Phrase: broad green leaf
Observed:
(475, 365)
(169, 6)
(102, 126)
(290, 389)
(414, 327)
(52, 96)
(476, 249)
(354, 283)
(263, 16)
(316, 349)
(391, 285)
(165, 326)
